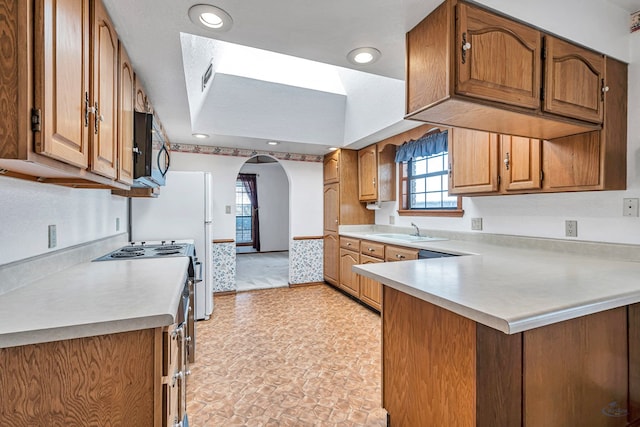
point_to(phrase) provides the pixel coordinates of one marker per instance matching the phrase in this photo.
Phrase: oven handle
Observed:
(198, 272)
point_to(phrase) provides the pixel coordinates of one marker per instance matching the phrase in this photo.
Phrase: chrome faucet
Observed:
(417, 233)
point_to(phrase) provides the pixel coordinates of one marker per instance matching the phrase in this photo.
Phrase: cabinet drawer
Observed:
(373, 249)
(350, 243)
(397, 253)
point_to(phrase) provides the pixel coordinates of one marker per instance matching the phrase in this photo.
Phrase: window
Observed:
(424, 181)
(243, 215)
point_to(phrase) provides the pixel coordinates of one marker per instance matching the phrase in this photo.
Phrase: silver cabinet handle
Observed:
(506, 161)
(371, 250)
(399, 256)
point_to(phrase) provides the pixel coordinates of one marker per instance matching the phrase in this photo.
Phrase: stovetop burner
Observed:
(139, 250)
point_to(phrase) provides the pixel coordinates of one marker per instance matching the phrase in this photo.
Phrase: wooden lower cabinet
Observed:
(442, 369)
(348, 279)
(331, 254)
(126, 378)
(370, 290)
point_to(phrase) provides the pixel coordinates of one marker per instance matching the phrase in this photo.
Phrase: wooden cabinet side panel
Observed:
(104, 139)
(331, 195)
(428, 59)
(84, 381)
(499, 378)
(572, 163)
(429, 363)
(633, 315)
(62, 79)
(614, 131)
(386, 172)
(574, 370)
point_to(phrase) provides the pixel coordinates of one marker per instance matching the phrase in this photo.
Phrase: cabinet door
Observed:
(125, 117)
(574, 81)
(332, 167)
(62, 79)
(331, 258)
(497, 59)
(348, 279)
(473, 158)
(104, 139)
(368, 173)
(331, 207)
(521, 163)
(370, 290)
(142, 103)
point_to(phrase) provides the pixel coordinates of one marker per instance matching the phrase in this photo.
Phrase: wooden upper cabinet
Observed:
(471, 68)
(574, 81)
(142, 103)
(521, 163)
(331, 167)
(62, 80)
(125, 117)
(368, 173)
(473, 158)
(498, 59)
(104, 137)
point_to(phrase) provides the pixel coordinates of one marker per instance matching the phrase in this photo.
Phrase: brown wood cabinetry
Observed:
(377, 173)
(521, 163)
(371, 290)
(399, 253)
(104, 94)
(473, 158)
(127, 378)
(471, 68)
(440, 369)
(349, 256)
(142, 103)
(341, 206)
(51, 87)
(126, 79)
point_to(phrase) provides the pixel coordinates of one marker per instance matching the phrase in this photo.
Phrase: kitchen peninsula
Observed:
(508, 336)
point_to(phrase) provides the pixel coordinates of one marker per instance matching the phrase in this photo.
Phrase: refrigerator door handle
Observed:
(198, 271)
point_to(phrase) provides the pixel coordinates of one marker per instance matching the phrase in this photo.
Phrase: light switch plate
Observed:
(227, 209)
(53, 237)
(392, 219)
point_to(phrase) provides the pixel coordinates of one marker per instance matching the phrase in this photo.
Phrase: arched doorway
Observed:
(262, 231)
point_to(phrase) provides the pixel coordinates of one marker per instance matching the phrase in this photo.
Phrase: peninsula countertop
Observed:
(509, 289)
(94, 298)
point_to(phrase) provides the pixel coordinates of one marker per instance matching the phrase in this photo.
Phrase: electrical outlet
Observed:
(227, 209)
(476, 223)
(571, 228)
(53, 238)
(117, 224)
(630, 207)
(392, 219)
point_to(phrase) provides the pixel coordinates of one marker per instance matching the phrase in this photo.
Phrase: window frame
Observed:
(403, 205)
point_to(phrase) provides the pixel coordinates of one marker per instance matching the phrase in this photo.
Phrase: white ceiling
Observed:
(239, 111)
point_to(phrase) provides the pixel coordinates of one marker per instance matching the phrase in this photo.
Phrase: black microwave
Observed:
(151, 157)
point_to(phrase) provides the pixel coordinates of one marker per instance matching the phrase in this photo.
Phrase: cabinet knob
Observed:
(400, 256)
(336, 221)
(371, 250)
(187, 339)
(506, 161)
(465, 47)
(348, 243)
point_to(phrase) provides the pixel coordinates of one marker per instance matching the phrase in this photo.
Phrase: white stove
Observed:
(156, 249)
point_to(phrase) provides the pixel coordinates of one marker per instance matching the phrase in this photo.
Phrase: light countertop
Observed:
(94, 298)
(507, 288)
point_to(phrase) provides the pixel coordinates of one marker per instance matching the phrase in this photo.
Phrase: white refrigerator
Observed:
(182, 211)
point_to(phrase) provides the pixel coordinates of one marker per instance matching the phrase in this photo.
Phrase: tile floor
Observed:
(262, 270)
(306, 356)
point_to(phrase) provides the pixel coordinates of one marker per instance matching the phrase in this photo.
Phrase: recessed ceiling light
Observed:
(273, 142)
(333, 148)
(363, 55)
(200, 135)
(210, 17)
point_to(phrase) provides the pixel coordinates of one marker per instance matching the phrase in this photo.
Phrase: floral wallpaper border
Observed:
(305, 261)
(242, 152)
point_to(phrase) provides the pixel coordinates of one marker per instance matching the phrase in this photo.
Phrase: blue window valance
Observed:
(428, 145)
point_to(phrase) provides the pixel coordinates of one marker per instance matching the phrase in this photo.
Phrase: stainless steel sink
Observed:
(407, 237)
